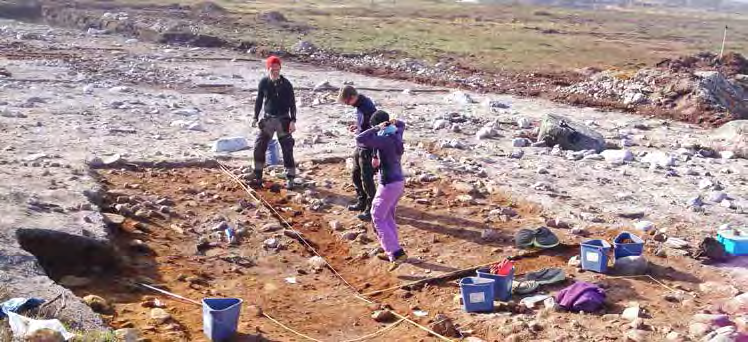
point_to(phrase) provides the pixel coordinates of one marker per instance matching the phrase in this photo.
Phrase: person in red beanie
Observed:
(275, 95)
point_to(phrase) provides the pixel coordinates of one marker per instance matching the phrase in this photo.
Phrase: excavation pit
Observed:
(173, 237)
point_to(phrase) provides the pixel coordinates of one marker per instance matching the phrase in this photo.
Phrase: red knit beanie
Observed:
(272, 60)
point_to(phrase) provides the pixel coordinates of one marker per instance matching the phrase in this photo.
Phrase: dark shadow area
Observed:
(670, 274)
(471, 230)
(618, 292)
(241, 337)
(62, 254)
(433, 267)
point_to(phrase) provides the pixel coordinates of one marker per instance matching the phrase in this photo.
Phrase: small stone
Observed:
(520, 142)
(579, 231)
(443, 326)
(705, 184)
(382, 316)
(350, 236)
(97, 304)
(698, 330)
(542, 171)
(44, 335)
(727, 154)
(316, 262)
(717, 197)
(73, 281)
(636, 335)
(490, 235)
(695, 202)
(631, 265)
(637, 324)
(336, 226)
(517, 154)
(631, 313)
(127, 335)
(556, 223)
(673, 336)
(574, 261)
(644, 226)
(271, 243)
(159, 316)
(254, 311)
(268, 228)
(113, 218)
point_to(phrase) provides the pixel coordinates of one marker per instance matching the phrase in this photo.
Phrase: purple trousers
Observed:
(383, 214)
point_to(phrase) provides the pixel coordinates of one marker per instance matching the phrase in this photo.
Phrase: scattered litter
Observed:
(19, 304)
(23, 327)
(420, 313)
(291, 280)
(530, 302)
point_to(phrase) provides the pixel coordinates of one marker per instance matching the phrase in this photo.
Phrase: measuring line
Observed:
(256, 196)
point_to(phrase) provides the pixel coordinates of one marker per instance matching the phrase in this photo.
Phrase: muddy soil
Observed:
(441, 237)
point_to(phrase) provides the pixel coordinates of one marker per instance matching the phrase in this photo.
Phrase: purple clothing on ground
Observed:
(383, 214)
(390, 149)
(581, 296)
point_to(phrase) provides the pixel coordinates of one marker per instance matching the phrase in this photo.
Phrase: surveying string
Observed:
(256, 196)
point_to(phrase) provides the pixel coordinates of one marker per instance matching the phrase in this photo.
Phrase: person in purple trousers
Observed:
(385, 137)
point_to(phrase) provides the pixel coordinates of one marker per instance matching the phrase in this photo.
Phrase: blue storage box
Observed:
(595, 255)
(502, 289)
(735, 241)
(477, 294)
(621, 249)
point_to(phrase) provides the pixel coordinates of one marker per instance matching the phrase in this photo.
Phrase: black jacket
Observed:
(278, 98)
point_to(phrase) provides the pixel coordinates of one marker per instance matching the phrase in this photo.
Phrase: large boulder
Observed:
(732, 136)
(713, 88)
(570, 135)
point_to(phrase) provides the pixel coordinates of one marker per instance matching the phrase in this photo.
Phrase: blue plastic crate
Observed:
(221, 317)
(621, 250)
(734, 241)
(594, 255)
(477, 294)
(502, 289)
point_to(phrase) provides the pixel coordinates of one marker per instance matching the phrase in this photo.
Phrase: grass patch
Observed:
(490, 37)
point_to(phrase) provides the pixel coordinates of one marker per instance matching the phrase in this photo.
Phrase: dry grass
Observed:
(489, 37)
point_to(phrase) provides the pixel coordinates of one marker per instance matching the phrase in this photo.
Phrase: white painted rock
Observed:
(617, 156)
(660, 159)
(440, 124)
(231, 144)
(644, 226)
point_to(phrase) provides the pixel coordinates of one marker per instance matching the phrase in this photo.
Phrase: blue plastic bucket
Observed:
(621, 250)
(502, 289)
(272, 156)
(477, 294)
(595, 255)
(221, 317)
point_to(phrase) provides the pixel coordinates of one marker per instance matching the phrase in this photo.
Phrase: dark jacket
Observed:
(390, 149)
(277, 97)
(364, 109)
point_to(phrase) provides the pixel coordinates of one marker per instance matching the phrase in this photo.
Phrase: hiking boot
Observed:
(398, 258)
(255, 183)
(544, 238)
(359, 206)
(290, 184)
(365, 216)
(524, 238)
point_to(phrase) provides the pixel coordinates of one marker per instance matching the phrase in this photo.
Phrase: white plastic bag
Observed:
(24, 326)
